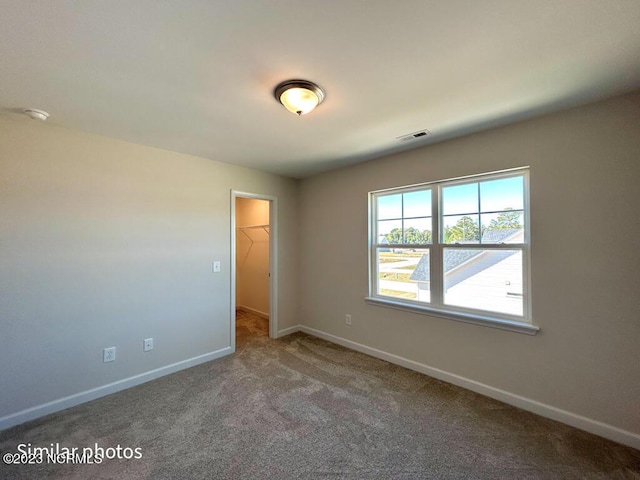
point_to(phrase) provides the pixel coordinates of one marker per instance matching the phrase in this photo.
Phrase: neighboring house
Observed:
(384, 241)
(480, 278)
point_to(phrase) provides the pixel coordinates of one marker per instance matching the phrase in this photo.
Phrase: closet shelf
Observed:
(244, 229)
(264, 227)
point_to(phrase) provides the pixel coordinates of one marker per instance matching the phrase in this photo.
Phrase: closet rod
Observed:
(254, 226)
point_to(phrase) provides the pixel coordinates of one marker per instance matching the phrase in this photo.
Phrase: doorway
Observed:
(253, 298)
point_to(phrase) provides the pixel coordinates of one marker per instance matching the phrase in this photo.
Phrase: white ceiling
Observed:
(197, 76)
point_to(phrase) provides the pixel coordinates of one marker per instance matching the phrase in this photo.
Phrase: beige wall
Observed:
(585, 172)
(105, 243)
(252, 255)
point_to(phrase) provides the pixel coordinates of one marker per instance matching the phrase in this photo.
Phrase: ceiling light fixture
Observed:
(36, 114)
(299, 96)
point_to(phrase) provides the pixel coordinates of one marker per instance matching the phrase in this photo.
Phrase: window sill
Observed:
(502, 324)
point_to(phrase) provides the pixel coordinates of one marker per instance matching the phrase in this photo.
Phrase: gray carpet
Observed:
(300, 407)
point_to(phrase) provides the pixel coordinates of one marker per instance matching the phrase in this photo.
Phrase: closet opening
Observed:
(253, 295)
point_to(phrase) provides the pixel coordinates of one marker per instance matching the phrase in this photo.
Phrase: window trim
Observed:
(515, 323)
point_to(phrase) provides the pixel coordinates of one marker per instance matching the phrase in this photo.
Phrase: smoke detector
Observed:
(36, 114)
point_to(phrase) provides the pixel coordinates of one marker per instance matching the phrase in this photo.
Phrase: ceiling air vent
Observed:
(413, 136)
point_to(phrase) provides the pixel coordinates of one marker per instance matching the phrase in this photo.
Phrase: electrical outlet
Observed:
(109, 354)
(148, 344)
(347, 319)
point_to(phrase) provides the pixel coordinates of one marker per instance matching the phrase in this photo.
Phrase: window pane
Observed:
(389, 206)
(490, 280)
(403, 273)
(503, 227)
(417, 204)
(502, 194)
(417, 231)
(390, 231)
(460, 199)
(461, 229)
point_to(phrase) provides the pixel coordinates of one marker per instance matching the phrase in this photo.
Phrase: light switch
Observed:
(216, 267)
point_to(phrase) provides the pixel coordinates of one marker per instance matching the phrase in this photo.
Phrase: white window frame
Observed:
(436, 306)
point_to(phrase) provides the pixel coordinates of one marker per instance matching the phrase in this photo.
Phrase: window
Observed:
(456, 248)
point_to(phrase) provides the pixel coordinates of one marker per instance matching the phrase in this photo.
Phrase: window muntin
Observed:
(477, 265)
(472, 210)
(404, 218)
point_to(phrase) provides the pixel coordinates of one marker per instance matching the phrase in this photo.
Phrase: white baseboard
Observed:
(88, 395)
(578, 421)
(257, 312)
(288, 331)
